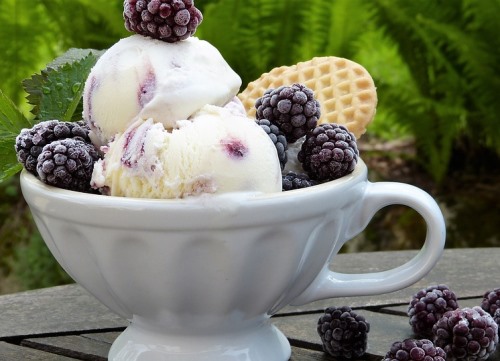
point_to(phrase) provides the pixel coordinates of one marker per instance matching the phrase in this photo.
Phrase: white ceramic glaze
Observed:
(199, 278)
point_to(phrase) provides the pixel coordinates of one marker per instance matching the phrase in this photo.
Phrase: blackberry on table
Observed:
(428, 305)
(415, 350)
(496, 316)
(166, 20)
(467, 334)
(68, 164)
(329, 152)
(293, 180)
(491, 301)
(343, 332)
(292, 108)
(278, 139)
(29, 142)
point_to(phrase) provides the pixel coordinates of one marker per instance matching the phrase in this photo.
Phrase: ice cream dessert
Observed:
(165, 111)
(216, 151)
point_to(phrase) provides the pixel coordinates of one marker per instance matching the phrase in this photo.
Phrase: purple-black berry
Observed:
(30, 142)
(68, 164)
(415, 350)
(292, 108)
(167, 20)
(343, 332)
(278, 139)
(467, 334)
(491, 301)
(329, 152)
(428, 305)
(496, 316)
(293, 180)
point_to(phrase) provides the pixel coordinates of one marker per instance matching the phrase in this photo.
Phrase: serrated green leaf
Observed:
(56, 92)
(11, 119)
(8, 160)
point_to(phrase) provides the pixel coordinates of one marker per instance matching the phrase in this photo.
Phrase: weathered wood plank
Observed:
(10, 352)
(53, 310)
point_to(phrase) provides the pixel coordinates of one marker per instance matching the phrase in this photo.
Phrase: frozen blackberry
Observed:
(167, 20)
(293, 180)
(29, 142)
(415, 350)
(466, 334)
(343, 333)
(491, 301)
(278, 139)
(292, 108)
(67, 163)
(428, 305)
(496, 316)
(328, 152)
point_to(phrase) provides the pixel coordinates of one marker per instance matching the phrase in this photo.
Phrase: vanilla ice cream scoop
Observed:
(140, 77)
(217, 151)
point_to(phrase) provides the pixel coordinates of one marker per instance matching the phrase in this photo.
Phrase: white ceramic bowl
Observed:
(199, 278)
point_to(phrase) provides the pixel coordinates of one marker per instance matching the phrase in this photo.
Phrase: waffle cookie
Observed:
(344, 89)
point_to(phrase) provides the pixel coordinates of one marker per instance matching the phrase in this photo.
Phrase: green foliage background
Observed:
(435, 64)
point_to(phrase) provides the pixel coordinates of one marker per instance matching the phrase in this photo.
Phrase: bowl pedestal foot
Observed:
(263, 342)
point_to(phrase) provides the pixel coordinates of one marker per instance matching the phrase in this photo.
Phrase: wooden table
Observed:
(66, 323)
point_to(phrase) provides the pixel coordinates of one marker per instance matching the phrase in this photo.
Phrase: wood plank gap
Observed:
(389, 312)
(18, 339)
(62, 351)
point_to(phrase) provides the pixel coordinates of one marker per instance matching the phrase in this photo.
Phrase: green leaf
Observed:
(8, 160)
(11, 123)
(11, 119)
(56, 92)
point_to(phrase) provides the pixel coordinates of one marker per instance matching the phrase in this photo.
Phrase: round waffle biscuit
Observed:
(344, 89)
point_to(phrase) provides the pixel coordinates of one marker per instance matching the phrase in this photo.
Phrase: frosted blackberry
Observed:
(415, 350)
(293, 180)
(167, 20)
(328, 152)
(491, 301)
(292, 108)
(496, 316)
(428, 305)
(68, 164)
(29, 142)
(466, 334)
(278, 139)
(343, 333)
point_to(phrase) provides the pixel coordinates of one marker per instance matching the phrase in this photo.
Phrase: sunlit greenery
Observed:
(435, 64)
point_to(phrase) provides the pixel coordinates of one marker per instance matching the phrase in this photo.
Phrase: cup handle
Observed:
(329, 284)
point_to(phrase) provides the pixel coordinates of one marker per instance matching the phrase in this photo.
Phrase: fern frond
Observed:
(348, 20)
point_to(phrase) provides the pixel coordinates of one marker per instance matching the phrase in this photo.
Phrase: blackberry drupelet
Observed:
(278, 139)
(68, 164)
(428, 305)
(491, 301)
(329, 152)
(415, 350)
(167, 20)
(292, 108)
(467, 334)
(343, 332)
(293, 180)
(29, 142)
